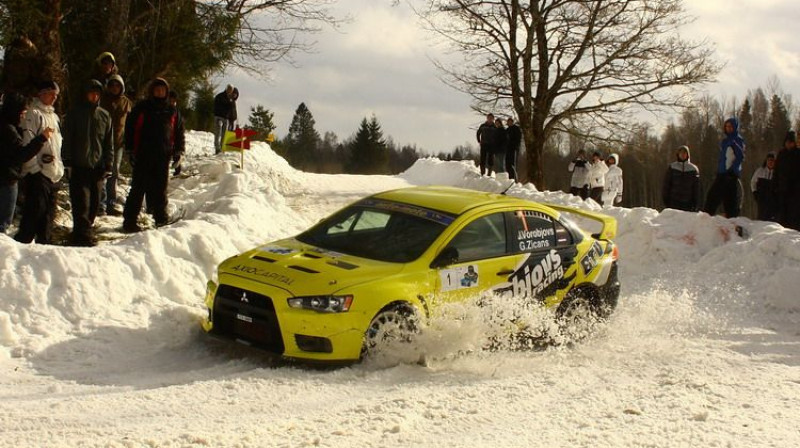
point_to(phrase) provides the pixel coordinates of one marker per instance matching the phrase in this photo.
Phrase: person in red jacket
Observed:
(154, 138)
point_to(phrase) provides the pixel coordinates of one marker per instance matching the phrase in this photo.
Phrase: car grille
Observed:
(247, 316)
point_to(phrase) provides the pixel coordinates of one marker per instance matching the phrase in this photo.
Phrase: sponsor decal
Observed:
(277, 250)
(280, 278)
(432, 215)
(459, 277)
(540, 275)
(535, 231)
(592, 257)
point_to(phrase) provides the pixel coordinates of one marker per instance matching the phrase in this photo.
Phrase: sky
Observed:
(101, 346)
(380, 63)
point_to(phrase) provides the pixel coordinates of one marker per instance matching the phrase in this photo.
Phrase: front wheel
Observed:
(388, 329)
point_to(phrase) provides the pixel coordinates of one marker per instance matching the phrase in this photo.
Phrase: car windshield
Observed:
(379, 230)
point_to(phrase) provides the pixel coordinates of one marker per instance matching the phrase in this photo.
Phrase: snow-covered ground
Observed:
(101, 346)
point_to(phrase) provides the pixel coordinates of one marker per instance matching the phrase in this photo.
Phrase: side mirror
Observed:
(445, 258)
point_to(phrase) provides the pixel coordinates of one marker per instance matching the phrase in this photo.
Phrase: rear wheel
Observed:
(391, 326)
(579, 314)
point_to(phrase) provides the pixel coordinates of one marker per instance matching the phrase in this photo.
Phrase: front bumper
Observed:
(258, 315)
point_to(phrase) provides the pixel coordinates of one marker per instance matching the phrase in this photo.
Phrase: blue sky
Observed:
(381, 63)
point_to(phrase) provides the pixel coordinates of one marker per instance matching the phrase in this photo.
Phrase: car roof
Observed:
(451, 199)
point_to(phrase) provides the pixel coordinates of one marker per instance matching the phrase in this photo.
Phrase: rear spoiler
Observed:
(609, 230)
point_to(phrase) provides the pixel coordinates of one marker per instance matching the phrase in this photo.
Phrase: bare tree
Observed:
(569, 64)
(270, 30)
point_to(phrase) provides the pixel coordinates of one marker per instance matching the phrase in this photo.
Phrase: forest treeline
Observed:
(765, 115)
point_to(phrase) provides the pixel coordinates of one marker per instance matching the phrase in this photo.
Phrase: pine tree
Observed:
(368, 151)
(303, 140)
(200, 116)
(778, 123)
(260, 120)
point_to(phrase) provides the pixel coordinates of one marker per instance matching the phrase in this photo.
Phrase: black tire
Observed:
(393, 325)
(579, 314)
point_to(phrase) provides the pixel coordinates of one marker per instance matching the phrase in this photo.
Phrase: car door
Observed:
(547, 250)
(483, 260)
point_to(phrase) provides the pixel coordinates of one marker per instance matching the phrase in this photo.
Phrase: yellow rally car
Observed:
(332, 292)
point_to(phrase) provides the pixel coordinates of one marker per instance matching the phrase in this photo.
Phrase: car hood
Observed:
(302, 269)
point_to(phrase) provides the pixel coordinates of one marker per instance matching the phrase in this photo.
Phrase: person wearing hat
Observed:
(13, 153)
(727, 188)
(88, 153)
(223, 103)
(43, 172)
(681, 187)
(612, 193)
(787, 180)
(105, 66)
(154, 137)
(118, 106)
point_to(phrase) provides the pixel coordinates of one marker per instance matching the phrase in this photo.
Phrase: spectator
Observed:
(579, 183)
(104, 67)
(13, 153)
(154, 136)
(42, 172)
(118, 106)
(500, 144)
(727, 188)
(787, 178)
(597, 177)
(486, 138)
(613, 188)
(222, 110)
(763, 188)
(681, 187)
(233, 116)
(514, 137)
(173, 101)
(88, 156)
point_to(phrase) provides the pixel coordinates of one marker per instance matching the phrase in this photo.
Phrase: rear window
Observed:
(379, 230)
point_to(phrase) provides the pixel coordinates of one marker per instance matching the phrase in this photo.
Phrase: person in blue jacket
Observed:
(727, 187)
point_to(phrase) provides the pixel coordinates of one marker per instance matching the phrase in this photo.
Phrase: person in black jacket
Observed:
(787, 180)
(681, 187)
(222, 111)
(486, 136)
(233, 115)
(88, 153)
(13, 153)
(500, 146)
(154, 136)
(514, 138)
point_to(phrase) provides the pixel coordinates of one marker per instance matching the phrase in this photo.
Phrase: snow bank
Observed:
(53, 293)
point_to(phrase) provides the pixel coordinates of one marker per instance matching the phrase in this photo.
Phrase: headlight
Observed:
(323, 304)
